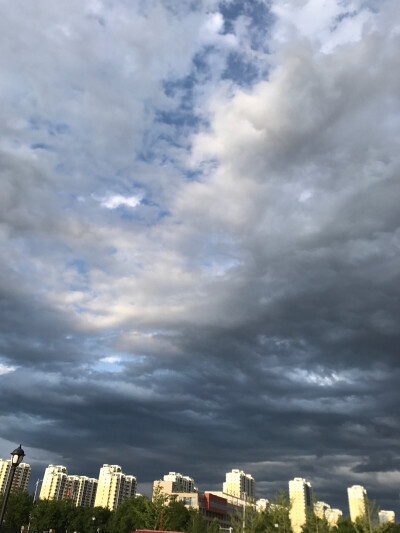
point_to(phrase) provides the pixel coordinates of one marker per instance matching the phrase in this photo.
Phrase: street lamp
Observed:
(16, 458)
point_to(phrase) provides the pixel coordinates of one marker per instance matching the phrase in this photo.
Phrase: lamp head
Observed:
(17, 455)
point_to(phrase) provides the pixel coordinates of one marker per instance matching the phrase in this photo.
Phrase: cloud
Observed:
(248, 295)
(116, 200)
(4, 369)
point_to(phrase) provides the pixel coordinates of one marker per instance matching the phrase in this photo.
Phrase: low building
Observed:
(320, 508)
(332, 516)
(262, 504)
(386, 516)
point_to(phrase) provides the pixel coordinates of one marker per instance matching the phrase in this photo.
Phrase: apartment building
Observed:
(180, 483)
(21, 476)
(300, 494)
(114, 487)
(82, 490)
(54, 485)
(240, 484)
(357, 495)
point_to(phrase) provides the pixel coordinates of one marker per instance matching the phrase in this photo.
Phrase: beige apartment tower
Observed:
(357, 495)
(82, 490)
(300, 494)
(114, 487)
(21, 476)
(58, 485)
(240, 484)
(54, 485)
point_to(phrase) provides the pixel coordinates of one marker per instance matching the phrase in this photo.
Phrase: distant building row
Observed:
(300, 493)
(111, 489)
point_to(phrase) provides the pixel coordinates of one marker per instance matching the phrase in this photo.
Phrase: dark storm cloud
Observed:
(246, 318)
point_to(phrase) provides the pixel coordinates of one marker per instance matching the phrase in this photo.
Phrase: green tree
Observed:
(159, 501)
(344, 525)
(279, 512)
(133, 513)
(57, 515)
(196, 522)
(83, 522)
(315, 524)
(369, 522)
(19, 506)
(213, 527)
(176, 517)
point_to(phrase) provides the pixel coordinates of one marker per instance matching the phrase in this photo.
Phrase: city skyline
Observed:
(200, 240)
(115, 486)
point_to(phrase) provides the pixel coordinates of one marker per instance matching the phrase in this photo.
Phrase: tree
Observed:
(279, 512)
(176, 517)
(315, 524)
(18, 509)
(369, 521)
(159, 501)
(345, 525)
(213, 527)
(53, 514)
(196, 522)
(133, 513)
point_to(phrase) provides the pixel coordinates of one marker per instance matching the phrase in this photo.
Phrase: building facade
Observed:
(54, 485)
(114, 487)
(82, 490)
(180, 483)
(21, 476)
(300, 494)
(386, 516)
(357, 495)
(240, 484)
(332, 516)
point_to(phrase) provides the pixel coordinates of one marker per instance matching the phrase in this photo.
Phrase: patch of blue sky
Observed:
(181, 117)
(53, 128)
(342, 16)
(42, 146)
(172, 87)
(79, 265)
(256, 11)
(240, 71)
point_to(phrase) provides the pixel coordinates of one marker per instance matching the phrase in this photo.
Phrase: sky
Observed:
(200, 237)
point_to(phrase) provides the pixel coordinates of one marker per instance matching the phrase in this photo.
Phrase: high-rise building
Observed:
(57, 485)
(357, 495)
(21, 476)
(386, 516)
(114, 487)
(180, 483)
(54, 485)
(240, 484)
(82, 490)
(300, 494)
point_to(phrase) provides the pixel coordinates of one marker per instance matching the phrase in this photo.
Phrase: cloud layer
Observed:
(201, 233)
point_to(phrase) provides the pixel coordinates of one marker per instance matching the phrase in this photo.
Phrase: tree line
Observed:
(141, 512)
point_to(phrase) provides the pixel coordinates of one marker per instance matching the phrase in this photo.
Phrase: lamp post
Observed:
(16, 458)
